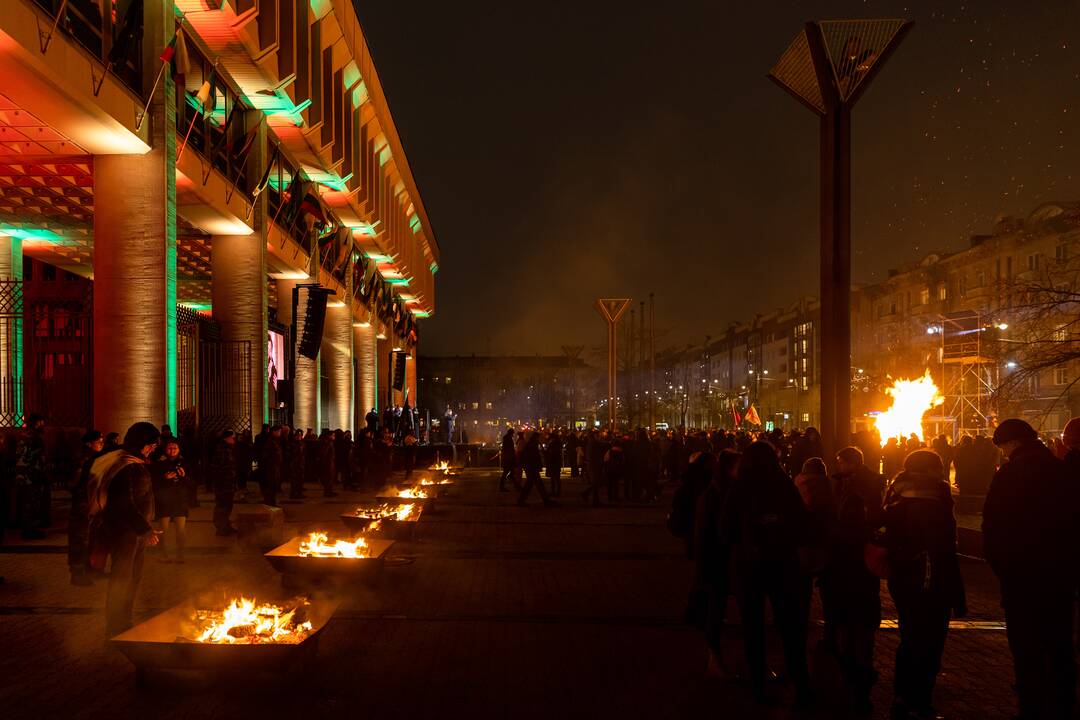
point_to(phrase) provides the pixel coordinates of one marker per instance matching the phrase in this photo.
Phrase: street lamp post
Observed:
(827, 67)
(611, 310)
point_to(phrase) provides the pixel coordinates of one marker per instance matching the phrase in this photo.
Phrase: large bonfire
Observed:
(911, 400)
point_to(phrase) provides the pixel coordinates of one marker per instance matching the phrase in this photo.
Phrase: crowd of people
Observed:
(763, 519)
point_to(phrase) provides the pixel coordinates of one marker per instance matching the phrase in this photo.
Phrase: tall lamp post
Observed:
(827, 67)
(611, 309)
(572, 353)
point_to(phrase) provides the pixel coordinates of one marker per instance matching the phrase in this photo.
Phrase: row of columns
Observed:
(135, 353)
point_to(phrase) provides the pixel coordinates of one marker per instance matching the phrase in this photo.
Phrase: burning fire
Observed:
(245, 622)
(443, 466)
(429, 481)
(911, 400)
(417, 493)
(398, 512)
(318, 545)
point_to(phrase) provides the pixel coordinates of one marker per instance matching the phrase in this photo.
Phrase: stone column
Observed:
(238, 287)
(364, 352)
(382, 365)
(337, 353)
(306, 391)
(135, 261)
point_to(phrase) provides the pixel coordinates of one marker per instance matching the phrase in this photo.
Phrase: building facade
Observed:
(1006, 307)
(201, 179)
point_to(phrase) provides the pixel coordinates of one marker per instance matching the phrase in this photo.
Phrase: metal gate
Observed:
(11, 361)
(213, 379)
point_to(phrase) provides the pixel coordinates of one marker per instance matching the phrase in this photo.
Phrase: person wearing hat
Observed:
(1029, 539)
(121, 509)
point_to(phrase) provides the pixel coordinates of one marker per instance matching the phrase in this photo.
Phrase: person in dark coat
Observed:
(614, 468)
(361, 457)
(924, 577)
(1030, 541)
(342, 457)
(170, 496)
(382, 459)
(409, 448)
(712, 557)
(553, 462)
(270, 466)
(34, 492)
(850, 593)
(596, 448)
(326, 463)
(245, 457)
(571, 446)
(508, 460)
(765, 522)
(806, 447)
(892, 458)
(372, 421)
(311, 457)
(295, 460)
(223, 470)
(532, 462)
(79, 518)
(122, 507)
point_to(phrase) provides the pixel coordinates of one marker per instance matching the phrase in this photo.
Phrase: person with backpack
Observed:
(764, 523)
(121, 496)
(924, 577)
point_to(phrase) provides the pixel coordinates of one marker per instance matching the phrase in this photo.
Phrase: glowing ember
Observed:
(911, 400)
(318, 545)
(429, 481)
(443, 466)
(244, 622)
(417, 493)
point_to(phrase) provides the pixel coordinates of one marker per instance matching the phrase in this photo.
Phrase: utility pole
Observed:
(652, 363)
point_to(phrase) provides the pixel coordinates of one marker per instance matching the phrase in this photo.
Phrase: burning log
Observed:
(424, 497)
(397, 522)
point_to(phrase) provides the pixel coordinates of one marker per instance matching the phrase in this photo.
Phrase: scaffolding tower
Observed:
(968, 373)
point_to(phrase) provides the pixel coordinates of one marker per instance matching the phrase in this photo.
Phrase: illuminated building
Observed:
(267, 162)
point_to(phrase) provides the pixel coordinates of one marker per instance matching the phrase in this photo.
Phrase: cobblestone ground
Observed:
(494, 611)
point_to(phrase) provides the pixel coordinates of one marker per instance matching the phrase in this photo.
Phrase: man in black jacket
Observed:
(1029, 540)
(122, 507)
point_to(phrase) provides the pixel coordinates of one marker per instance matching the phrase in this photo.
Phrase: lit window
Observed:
(447, 379)
(487, 406)
(476, 406)
(942, 291)
(924, 296)
(1061, 376)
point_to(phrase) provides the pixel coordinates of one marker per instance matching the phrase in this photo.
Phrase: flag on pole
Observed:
(752, 416)
(261, 185)
(176, 54)
(735, 414)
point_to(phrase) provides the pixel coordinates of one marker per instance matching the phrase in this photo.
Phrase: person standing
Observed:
(170, 496)
(326, 463)
(924, 577)
(361, 455)
(712, 556)
(342, 457)
(571, 446)
(553, 462)
(764, 522)
(596, 448)
(79, 518)
(849, 590)
(532, 462)
(121, 508)
(245, 456)
(270, 464)
(408, 451)
(1030, 541)
(448, 419)
(223, 470)
(372, 421)
(382, 459)
(508, 459)
(294, 457)
(34, 493)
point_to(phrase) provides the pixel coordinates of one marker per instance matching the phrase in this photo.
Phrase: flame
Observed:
(440, 467)
(245, 622)
(412, 493)
(318, 545)
(398, 512)
(911, 400)
(429, 481)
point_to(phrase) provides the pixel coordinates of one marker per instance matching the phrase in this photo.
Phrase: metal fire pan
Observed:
(286, 560)
(390, 528)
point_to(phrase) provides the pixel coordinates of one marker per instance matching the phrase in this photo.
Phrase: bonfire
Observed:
(318, 545)
(911, 400)
(245, 621)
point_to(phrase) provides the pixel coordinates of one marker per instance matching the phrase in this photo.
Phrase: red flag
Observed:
(752, 416)
(735, 414)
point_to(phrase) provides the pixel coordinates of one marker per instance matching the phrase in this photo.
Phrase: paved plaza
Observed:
(494, 610)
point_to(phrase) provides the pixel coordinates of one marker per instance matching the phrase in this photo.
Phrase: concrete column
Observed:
(11, 337)
(238, 288)
(337, 354)
(306, 391)
(135, 260)
(410, 378)
(382, 365)
(364, 352)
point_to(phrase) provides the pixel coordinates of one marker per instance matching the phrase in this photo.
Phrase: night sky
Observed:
(568, 150)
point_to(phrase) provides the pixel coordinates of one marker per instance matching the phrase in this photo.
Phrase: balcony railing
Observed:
(113, 39)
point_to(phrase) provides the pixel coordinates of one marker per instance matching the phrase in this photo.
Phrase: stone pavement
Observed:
(494, 611)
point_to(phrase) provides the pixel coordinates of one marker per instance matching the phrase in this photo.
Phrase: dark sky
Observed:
(569, 150)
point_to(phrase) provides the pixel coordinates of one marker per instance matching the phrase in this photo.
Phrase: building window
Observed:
(806, 417)
(980, 278)
(488, 406)
(1033, 261)
(892, 306)
(942, 292)
(476, 406)
(924, 296)
(461, 406)
(1061, 376)
(1061, 252)
(447, 379)
(1061, 334)
(48, 272)
(435, 379)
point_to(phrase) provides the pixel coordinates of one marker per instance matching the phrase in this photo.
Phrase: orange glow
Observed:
(911, 400)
